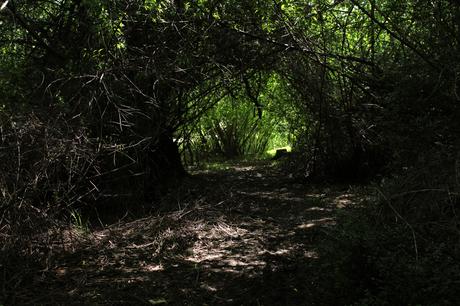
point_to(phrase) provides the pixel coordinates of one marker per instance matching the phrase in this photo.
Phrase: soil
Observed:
(245, 235)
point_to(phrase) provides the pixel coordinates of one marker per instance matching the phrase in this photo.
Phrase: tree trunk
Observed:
(165, 168)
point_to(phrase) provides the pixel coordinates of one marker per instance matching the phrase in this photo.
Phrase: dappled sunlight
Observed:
(243, 168)
(274, 195)
(306, 225)
(348, 199)
(313, 223)
(152, 268)
(260, 226)
(326, 209)
(228, 246)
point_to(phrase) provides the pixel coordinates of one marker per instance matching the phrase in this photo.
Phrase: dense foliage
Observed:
(101, 103)
(244, 124)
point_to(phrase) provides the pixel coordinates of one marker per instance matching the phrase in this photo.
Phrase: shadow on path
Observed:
(247, 235)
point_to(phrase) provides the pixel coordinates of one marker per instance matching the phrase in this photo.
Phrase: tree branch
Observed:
(396, 36)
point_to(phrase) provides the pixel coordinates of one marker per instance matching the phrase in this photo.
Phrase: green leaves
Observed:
(233, 127)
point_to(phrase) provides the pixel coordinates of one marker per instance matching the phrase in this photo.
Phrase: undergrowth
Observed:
(403, 247)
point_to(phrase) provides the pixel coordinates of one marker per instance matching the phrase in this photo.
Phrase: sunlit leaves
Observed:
(151, 4)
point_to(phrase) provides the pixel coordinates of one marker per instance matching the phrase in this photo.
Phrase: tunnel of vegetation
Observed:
(104, 103)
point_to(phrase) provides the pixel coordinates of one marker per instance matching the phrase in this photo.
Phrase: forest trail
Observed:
(245, 235)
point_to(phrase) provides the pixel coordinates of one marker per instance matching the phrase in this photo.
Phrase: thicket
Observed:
(101, 102)
(252, 119)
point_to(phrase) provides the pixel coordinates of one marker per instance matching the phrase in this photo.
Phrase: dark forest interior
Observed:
(210, 152)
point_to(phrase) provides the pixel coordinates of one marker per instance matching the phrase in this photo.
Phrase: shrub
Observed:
(403, 247)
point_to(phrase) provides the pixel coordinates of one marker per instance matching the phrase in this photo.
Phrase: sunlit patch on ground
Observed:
(313, 223)
(152, 268)
(243, 168)
(272, 152)
(226, 245)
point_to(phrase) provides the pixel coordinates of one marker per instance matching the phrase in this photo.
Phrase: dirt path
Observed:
(247, 235)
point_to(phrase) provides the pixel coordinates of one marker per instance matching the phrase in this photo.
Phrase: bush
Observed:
(403, 247)
(231, 130)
